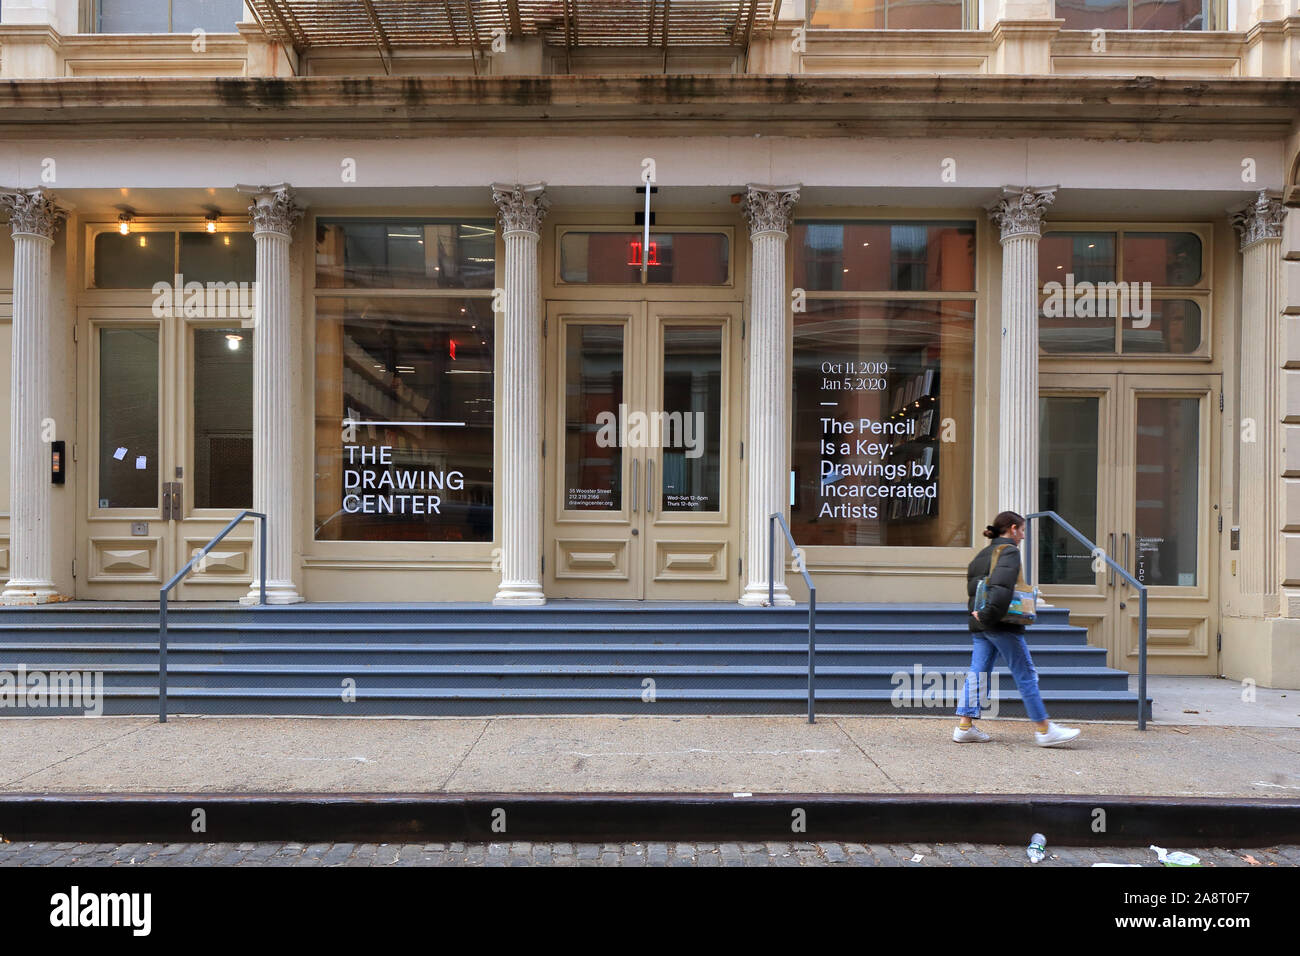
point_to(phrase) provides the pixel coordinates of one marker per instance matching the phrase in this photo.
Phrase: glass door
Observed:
(639, 487)
(1127, 460)
(168, 454)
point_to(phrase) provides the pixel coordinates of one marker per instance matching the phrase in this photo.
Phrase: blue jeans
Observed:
(1014, 650)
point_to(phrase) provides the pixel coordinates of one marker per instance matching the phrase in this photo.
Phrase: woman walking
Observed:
(992, 636)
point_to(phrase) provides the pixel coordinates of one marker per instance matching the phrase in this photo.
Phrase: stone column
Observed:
(518, 493)
(33, 218)
(1019, 216)
(1259, 415)
(768, 210)
(275, 435)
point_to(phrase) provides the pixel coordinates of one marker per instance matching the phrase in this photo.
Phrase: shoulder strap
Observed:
(993, 561)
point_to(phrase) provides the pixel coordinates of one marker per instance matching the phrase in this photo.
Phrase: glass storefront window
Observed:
(890, 14)
(1118, 291)
(405, 254)
(692, 390)
(615, 258)
(223, 418)
(404, 419)
(128, 418)
(883, 404)
(884, 256)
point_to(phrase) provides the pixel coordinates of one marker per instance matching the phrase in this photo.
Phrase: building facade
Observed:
(383, 272)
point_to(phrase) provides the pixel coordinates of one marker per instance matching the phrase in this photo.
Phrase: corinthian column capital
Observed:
(1261, 219)
(521, 208)
(769, 208)
(273, 209)
(1020, 210)
(32, 212)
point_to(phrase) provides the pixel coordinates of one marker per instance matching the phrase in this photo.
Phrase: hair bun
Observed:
(990, 531)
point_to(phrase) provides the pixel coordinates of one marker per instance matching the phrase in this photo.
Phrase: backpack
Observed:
(1023, 609)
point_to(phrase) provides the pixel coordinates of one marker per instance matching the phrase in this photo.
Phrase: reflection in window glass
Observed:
(218, 257)
(405, 254)
(223, 418)
(593, 455)
(1175, 328)
(874, 383)
(1088, 256)
(1162, 258)
(884, 257)
(691, 424)
(1061, 333)
(134, 261)
(404, 419)
(178, 16)
(1133, 14)
(1168, 491)
(615, 258)
(1067, 484)
(886, 14)
(128, 418)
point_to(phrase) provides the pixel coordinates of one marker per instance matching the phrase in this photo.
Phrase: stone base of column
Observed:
(755, 595)
(277, 592)
(18, 593)
(519, 595)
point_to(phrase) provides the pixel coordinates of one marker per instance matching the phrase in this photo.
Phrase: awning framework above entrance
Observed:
(572, 24)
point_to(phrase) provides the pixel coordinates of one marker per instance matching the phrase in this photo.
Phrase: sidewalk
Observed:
(839, 754)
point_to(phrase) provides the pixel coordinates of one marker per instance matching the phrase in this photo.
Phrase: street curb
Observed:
(1066, 819)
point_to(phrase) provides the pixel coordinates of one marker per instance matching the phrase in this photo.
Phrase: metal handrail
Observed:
(1093, 551)
(812, 601)
(176, 579)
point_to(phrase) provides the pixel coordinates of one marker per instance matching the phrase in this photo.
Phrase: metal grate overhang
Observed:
(573, 24)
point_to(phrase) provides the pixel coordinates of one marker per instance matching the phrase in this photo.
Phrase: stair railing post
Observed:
(812, 651)
(771, 561)
(1142, 658)
(162, 657)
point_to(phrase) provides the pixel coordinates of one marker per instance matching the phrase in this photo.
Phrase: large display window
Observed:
(404, 384)
(883, 403)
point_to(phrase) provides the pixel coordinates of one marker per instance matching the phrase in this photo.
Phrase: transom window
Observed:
(1133, 291)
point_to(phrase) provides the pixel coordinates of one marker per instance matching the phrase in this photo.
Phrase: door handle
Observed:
(1110, 571)
(636, 500)
(1126, 567)
(649, 487)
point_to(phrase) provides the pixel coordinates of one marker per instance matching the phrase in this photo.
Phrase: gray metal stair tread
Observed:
(310, 627)
(524, 648)
(637, 670)
(795, 694)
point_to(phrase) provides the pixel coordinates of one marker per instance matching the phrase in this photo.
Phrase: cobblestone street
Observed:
(598, 854)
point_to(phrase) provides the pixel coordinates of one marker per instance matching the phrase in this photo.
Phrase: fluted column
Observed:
(33, 218)
(1260, 227)
(274, 213)
(518, 493)
(768, 210)
(1019, 217)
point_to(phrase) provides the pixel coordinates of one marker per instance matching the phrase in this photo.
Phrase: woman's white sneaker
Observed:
(1055, 735)
(971, 735)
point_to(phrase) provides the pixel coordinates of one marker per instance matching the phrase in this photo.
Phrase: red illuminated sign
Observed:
(634, 254)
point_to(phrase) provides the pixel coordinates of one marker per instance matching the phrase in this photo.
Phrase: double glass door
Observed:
(1127, 460)
(167, 453)
(641, 444)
